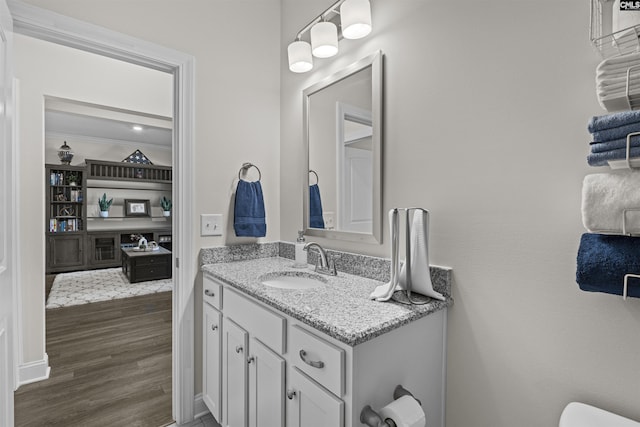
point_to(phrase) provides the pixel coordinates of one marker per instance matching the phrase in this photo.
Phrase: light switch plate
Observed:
(211, 224)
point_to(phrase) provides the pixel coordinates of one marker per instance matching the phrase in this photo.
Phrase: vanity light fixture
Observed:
(324, 39)
(355, 23)
(300, 60)
(355, 16)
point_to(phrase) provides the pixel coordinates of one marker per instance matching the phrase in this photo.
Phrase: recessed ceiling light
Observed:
(137, 128)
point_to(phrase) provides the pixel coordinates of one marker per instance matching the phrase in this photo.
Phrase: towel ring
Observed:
(246, 166)
(316, 174)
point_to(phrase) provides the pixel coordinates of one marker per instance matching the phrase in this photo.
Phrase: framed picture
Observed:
(136, 207)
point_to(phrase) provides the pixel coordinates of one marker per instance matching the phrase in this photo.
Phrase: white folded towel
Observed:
(385, 292)
(420, 273)
(618, 64)
(604, 198)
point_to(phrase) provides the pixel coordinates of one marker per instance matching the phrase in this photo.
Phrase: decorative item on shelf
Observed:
(104, 205)
(138, 157)
(73, 178)
(65, 154)
(136, 207)
(166, 205)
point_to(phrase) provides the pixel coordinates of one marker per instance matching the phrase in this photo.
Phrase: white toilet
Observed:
(581, 415)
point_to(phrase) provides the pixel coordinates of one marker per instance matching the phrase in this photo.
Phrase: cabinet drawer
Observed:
(153, 260)
(152, 272)
(321, 360)
(212, 292)
(257, 320)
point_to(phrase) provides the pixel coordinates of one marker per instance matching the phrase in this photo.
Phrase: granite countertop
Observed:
(341, 308)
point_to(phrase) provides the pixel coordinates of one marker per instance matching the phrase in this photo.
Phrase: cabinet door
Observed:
(266, 386)
(104, 249)
(212, 360)
(311, 405)
(235, 396)
(65, 251)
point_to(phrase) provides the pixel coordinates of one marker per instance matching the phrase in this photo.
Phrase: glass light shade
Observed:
(355, 18)
(300, 59)
(324, 39)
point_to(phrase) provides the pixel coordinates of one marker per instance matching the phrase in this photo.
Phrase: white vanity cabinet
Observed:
(278, 371)
(212, 353)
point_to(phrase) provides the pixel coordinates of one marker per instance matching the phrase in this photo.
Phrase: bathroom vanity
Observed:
(313, 356)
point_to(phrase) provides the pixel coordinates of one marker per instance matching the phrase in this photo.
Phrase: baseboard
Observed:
(202, 416)
(34, 371)
(199, 407)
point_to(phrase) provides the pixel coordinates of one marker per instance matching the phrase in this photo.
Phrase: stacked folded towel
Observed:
(611, 81)
(603, 262)
(604, 255)
(605, 196)
(609, 137)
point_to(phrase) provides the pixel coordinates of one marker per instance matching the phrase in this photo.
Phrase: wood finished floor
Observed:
(110, 366)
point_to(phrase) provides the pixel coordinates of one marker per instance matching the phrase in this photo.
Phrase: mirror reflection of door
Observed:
(355, 168)
(341, 153)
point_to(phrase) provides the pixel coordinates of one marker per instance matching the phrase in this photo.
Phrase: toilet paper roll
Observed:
(405, 412)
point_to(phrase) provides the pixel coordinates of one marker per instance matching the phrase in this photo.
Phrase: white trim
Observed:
(46, 25)
(200, 408)
(16, 244)
(34, 371)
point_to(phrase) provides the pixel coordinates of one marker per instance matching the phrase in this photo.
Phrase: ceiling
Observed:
(65, 117)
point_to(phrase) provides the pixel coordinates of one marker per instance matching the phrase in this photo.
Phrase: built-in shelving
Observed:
(121, 171)
(65, 198)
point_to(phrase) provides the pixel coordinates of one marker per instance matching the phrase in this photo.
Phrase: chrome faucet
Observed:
(324, 264)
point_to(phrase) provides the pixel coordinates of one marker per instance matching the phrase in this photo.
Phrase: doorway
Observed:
(38, 23)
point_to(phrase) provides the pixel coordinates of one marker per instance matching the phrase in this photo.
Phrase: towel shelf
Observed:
(628, 162)
(605, 40)
(626, 284)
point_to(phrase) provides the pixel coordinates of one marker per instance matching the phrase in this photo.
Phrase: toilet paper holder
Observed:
(371, 418)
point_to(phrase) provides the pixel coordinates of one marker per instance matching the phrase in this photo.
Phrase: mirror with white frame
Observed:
(343, 147)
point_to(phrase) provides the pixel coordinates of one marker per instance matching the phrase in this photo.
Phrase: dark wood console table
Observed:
(140, 266)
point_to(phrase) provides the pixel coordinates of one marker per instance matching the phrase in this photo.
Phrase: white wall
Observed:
(46, 69)
(486, 105)
(237, 52)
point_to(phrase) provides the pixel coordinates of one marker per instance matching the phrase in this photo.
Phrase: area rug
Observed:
(83, 287)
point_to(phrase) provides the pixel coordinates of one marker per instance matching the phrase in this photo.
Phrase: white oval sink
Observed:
(292, 280)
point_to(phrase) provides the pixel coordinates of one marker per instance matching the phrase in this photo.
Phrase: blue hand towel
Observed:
(615, 133)
(248, 214)
(604, 260)
(614, 120)
(614, 144)
(601, 159)
(315, 207)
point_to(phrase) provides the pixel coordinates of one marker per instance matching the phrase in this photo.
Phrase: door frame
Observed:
(50, 26)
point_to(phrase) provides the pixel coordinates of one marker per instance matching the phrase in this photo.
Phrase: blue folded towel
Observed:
(248, 214)
(601, 159)
(615, 133)
(614, 120)
(315, 207)
(604, 260)
(614, 144)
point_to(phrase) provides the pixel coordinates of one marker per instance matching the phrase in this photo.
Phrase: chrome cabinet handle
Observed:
(239, 349)
(319, 364)
(251, 359)
(208, 293)
(214, 327)
(291, 394)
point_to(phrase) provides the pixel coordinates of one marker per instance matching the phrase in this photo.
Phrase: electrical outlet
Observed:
(211, 224)
(329, 220)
